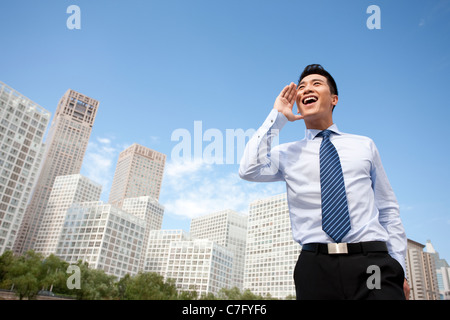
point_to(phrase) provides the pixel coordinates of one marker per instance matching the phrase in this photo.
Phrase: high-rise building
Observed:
(271, 252)
(158, 247)
(199, 265)
(139, 172)
(227, 228)
(421, 273)
(66, 191)
(149, 210)
(22, 127)
(442, 272)
(65, 148)
(104, 236)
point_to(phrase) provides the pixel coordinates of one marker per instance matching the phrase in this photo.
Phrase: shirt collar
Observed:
(310, 134)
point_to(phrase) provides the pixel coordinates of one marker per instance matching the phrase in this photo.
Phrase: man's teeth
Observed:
(310, 100)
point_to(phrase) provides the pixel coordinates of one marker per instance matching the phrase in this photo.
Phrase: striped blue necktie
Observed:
(335, 216)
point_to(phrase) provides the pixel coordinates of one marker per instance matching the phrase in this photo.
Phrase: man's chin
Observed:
(308, 110)
(308, 114)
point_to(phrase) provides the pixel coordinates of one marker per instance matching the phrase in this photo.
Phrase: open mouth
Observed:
(309, 100)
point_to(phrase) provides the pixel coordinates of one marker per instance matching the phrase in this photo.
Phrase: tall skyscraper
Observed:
(227, 228)
(66, 191)
(421, 273)
(442, 272)
(271, 252)
(139, 172)
(65, 148)
(22, 127)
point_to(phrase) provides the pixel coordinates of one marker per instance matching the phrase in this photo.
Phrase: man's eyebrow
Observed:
(313, 80)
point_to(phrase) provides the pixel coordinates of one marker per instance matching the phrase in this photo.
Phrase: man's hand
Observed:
(406, 289)
(285, 102)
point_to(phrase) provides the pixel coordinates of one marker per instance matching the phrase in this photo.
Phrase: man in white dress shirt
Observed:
(369, 261)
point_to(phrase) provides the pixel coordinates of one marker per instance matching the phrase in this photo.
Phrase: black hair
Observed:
(318, 69)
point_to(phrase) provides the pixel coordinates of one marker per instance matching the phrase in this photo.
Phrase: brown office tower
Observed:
(65, 148)
(139, 172)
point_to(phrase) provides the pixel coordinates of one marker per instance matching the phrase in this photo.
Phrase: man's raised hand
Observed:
(285, 102)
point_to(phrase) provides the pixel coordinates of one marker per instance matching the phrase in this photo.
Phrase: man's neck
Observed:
(319, 124)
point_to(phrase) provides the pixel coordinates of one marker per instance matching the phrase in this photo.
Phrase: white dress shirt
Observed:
(373, 208)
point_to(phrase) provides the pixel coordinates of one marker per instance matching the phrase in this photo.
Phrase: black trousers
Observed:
(360, 276)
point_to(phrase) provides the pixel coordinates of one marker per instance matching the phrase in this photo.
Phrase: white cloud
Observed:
(104, 140)
(405, 207)
(181, 168)
(195, 188)
(438, 11)
(99, 162)
(155, 139)
(189, 189)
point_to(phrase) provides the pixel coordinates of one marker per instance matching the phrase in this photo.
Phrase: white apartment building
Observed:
(158, 246)
(66, 191)
(421, 273)
(271, 252)
(227, 228)
(139, 172)
(22, 127)
(199, 265)
(106, 237)
(148, 209)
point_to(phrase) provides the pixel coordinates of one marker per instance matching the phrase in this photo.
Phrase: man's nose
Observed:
(307, 89)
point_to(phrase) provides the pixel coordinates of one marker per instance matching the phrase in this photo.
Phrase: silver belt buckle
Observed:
(337, 248)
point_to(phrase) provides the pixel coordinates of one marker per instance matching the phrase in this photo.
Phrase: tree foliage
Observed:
(31, 273)
(28, 274)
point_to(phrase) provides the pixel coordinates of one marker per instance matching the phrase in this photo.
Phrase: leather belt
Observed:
(346, 248)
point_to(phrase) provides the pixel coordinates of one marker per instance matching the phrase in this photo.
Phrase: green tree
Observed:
(229, 294)
(268, 296)
(122, 285)
(53, 275)
(25, 274)
(208, 296)
(95, 284)
(188, 295)
(7, 260)
(235, 294)
(248, 295)
(150, 286)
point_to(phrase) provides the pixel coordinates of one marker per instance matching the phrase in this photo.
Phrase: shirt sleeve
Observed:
(389, 212)
(260, 162)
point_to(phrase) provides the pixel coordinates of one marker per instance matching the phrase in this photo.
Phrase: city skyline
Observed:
(76, 225)
(221, 64)
(129, 201)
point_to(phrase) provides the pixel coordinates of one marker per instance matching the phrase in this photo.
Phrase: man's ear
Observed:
(334, 99)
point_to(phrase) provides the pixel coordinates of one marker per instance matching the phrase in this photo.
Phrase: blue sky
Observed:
(159, 66)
